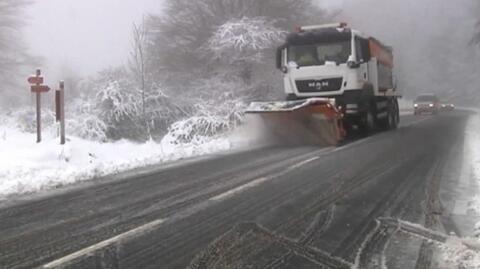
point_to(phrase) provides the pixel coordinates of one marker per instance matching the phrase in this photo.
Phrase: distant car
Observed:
(427, 103)
(447, 107)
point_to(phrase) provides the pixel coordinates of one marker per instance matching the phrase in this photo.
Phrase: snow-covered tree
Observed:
(186, 27)
(120, 107)
(476, 35)
(242, 45)
(13, 56)
(244, 39)
(118, 103)
(138, 65)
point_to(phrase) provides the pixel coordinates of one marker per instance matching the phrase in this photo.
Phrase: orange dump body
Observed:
(383, 54)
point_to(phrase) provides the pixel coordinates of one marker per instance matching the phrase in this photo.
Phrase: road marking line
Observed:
(261, 180)
(155, 224)
(300, 164)
(121, 237)
(239, 189)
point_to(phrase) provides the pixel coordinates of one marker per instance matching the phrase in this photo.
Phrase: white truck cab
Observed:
(337, 62)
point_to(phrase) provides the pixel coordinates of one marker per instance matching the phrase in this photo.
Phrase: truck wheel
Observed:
(397, 114)
(390, 121)
(367, 125)
(393, 122)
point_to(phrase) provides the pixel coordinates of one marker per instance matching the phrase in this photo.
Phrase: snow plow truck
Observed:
(337, 82)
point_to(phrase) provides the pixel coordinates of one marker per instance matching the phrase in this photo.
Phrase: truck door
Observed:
(363, 56)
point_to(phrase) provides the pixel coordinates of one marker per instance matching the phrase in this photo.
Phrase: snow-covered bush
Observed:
(24, 119)
(211, 118)
(196, 130)
(84, 121)
(88, 127)
(118, 104)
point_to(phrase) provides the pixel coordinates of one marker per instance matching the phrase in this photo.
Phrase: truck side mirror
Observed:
(280, 60)
(352, 63)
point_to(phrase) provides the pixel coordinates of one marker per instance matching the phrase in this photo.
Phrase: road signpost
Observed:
(38, 89)
(60, 110)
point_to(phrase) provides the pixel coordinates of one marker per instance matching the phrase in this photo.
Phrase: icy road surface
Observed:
(296, 207)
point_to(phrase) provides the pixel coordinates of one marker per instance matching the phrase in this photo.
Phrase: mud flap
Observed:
(304, 122)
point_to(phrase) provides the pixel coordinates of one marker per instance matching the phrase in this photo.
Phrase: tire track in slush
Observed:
(357, 246)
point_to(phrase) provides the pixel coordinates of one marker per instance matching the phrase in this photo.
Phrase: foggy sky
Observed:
(429, 37)
(83, 35)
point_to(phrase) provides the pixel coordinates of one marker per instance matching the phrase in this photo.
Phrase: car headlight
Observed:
(415, 105)
(431, 105)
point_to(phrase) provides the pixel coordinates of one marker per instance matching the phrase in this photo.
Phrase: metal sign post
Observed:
(62, 112)
(39, 118)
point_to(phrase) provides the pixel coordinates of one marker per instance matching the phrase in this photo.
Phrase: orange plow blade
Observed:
(312, 121)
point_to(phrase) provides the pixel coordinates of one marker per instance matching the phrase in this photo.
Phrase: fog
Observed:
(83, 36)
(430, 37)
(431, 41)
(89, 35)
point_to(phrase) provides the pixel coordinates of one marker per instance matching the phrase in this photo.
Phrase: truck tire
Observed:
(392, 119)
(397, 113)
(397, 107)
(367, 123)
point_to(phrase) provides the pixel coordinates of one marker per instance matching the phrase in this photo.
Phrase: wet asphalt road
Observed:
(305, 207)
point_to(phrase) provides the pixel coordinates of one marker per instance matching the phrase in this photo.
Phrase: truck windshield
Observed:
(318, 54)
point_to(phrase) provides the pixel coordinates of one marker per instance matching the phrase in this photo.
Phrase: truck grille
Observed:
(322, 85)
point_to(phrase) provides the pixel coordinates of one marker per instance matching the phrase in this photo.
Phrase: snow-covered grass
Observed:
(27, 167)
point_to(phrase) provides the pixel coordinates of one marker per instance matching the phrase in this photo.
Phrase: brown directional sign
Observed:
(35, 80)
(40, 88)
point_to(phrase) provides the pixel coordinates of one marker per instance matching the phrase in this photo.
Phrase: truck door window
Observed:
(362, 49)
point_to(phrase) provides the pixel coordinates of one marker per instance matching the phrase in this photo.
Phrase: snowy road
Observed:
(305, 207)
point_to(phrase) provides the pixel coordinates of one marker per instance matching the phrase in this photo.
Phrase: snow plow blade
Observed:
(313, 121)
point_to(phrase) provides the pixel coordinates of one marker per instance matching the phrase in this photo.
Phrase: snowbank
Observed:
(472, 153)
(460, 253)
(26, 166)
(473, 138)
(465, 252)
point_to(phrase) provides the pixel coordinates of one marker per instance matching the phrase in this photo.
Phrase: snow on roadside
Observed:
(473, 154)
(473, 138)
(27, 167)
(465, 252)
(460, 253)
